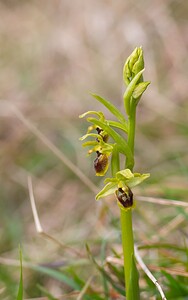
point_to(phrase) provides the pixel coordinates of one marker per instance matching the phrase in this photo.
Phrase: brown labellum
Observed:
(101, 164)
(125, 197)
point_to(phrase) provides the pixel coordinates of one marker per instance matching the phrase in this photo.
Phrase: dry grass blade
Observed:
(167, 228)
(38, 224)
(63, 297)
(15, 263)
(41, 298)
(172, 225)
(175, 272)
(33, 207)
(83, 291)
(162, 201)
(149, 274)
(2, 290)
(55, 150)
(115, 260)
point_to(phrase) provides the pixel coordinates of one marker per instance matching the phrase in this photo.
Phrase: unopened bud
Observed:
(133, 65)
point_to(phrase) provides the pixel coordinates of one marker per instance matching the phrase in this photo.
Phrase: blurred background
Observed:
(52, 54)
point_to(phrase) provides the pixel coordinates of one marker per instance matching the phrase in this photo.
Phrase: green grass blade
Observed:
(20, 289)
(59, 276)
(117, 272)
(7, 280)
(118, 288)
(163, 246)
(105, 282)
(176, 287)
(111, 108)
(90, 291)
(46, 293)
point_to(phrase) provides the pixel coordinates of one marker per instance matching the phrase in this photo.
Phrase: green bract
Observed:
(140, 89)
(129, 92)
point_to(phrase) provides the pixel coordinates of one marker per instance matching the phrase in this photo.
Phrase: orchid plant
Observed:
(108, 143)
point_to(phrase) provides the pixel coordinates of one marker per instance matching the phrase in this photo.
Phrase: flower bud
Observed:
(133, 65)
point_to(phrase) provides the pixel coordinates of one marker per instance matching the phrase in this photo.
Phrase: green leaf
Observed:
(129, 91)
(108, 189)
(20, 290)
(134, 293)
(118, 125)
(111, 108)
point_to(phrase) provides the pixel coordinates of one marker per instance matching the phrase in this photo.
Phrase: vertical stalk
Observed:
(128, 246)
(131, 131)
(126, 216)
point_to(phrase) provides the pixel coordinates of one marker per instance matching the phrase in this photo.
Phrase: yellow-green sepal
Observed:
(131, 179)
(107, 190)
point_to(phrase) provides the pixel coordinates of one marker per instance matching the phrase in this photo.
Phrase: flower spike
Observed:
(121, 132)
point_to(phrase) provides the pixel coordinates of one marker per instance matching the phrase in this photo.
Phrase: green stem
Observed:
(126, 216)
(131, 131)
(128, 246)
